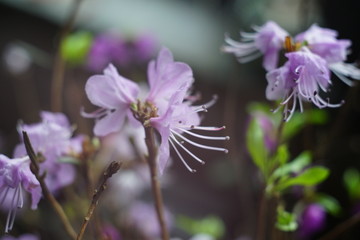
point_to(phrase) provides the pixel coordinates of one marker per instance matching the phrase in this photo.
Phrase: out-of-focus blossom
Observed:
(17, 59)
(52, 139)
(109, 232)
(268, 128)
(300, 79)
(16, 176)
(22, 237)
(143, 217)
(167, 106)
(144, 47)
(312, 220)
(267, 40)
(106, 49)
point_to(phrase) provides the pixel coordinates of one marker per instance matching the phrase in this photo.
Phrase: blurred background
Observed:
(228, 186)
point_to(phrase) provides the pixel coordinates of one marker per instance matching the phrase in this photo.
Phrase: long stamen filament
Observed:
(203, 136)
(182, 159)
(187, 150)
(200, 145)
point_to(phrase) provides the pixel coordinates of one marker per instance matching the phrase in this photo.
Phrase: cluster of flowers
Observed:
(311, 56)
(167, 106)
(52, 140)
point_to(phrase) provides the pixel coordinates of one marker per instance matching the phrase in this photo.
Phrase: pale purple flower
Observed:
(22, 237)
(167, 104)
(267, 40)
(324, 42)
(302, 78)
(312, 220)
(105, 49)
(52, 138)
(113, 94)
(16, 176)
(143, 217)
(109, 232)
(144, 47)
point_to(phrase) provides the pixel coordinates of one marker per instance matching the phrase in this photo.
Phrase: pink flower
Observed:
(166, 107)
(267, 40)
(15, 175)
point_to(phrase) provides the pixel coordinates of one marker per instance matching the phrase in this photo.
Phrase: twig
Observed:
(111, 170)
(45, 191)
(59, 64)
(159, 206)
(341, 228)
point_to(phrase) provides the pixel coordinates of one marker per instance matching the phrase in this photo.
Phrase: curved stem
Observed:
(111, 170)
(45, 191)
(155, 184)
(59, 64)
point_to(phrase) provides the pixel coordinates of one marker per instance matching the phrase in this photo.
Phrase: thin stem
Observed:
(341, 228)
(45, 191)
(59, 64)
(111, 170)
(155, 184)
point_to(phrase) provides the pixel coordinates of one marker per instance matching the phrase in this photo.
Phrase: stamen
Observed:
(201, 145)
(203, 136)
(182, 159)
(187, 150)
(204, 128)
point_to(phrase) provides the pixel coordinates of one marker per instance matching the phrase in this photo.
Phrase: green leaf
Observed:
(256, 146)
(210, 225)
(286, 221)
(352, 182)
(295, 166)
(330, 204)
(299, 120)
(75, 47)
(309, 177)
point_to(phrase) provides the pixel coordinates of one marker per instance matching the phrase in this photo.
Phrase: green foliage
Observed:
(75, 47)
(308, 177)
(286, 221)
(256, 146)
(352, 183)
(295, 166)
(210, 225)
(330, 204)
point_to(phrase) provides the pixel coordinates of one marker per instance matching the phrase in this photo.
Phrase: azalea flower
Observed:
(52, 138)
(312, 220)
(16, 176)
(300, 79)
(267, 40)
(166, 107)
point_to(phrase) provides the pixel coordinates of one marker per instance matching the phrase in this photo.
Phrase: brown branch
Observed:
(155, 184)
(34, 166)
(59, 64)
(111, 170)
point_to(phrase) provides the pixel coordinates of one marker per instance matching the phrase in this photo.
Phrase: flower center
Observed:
(144, 111)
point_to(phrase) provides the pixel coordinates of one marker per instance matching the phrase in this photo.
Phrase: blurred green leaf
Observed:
(75, 47)
(299, 120)
(68, 159)
(286, 221)
(295, 166)
(256, 146)
(352, 182)
(309, 177)
(331, 205)
(210, 225)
